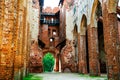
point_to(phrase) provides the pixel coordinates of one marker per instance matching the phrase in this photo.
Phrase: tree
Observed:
(48, 62)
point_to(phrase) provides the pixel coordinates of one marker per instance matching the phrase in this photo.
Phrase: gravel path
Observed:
(68, 76)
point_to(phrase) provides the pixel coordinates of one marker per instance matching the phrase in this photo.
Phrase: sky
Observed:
(51, 3)
(118, 5)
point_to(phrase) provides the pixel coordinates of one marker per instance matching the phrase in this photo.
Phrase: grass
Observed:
(82, 76)
(94, 77)
(32, 77)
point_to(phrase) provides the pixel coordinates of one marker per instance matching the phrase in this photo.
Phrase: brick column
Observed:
(25, 51)
(119, 38)
(6, 72)
(82, 55)
(15, 41)
(57, 62)
(1, 29)
(111, 44)
(94, 65)
(27, 48)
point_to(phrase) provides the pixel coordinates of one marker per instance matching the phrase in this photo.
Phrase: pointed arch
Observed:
(75, 30)
(93, 13)
(75, 40)
(83, 25)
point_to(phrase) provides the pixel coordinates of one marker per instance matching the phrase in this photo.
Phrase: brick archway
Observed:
(48, 58)
(56, 56)
(93, 14)
(45, 52)
(82, 65)
(94, 65)
(75, 44)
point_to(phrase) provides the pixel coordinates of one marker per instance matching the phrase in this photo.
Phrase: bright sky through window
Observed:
(118, 5)
(51, 3)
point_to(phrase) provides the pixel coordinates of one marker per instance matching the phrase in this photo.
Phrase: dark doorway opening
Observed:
(87, 55)
(102, 54)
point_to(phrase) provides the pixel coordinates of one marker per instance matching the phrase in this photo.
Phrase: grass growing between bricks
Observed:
(32, 77)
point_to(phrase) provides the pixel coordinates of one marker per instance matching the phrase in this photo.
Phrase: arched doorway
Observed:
(48, 62)
(102, 55)
(75, 42)
(83, 54)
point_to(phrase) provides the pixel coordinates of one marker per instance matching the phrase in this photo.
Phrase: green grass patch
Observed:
(94, 77)
(32, 77)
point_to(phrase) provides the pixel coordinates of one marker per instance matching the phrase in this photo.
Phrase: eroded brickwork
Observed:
(93, 51)
(1, 27)
(12, 30)
(82, 55)
(36, 56)
(62, 28)
(111, 44)
(15, 40)
(35, 63)
(68, 57)
(6, 46)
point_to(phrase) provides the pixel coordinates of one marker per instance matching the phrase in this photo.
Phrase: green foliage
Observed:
(48, 62)
(32, 77)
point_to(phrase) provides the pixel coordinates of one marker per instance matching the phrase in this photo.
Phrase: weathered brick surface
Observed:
(94, 65)
(46, 35)
(68, 57)
(57, 63)
(111, 44)
(15, 42)
(62, 27)
(119, 37)
(119, 29)
(36, 56)
(6, 46)
(50, 10)
(82, 55)
(1, 27)
(11, 43)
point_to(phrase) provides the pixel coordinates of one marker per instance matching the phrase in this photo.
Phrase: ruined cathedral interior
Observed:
(82, 36)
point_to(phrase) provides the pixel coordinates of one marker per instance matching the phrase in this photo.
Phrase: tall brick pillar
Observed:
(119, 37)
(1, 29)
(57, 62)
(111, 43)
(7, 56)
(82, 65)
(94, 65)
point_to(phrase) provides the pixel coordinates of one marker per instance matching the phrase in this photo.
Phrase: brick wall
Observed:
(93, 51)
(68, 57)
(47, 33)
(111, 40)
(13, 39)
(62, 28)
(119, 29)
